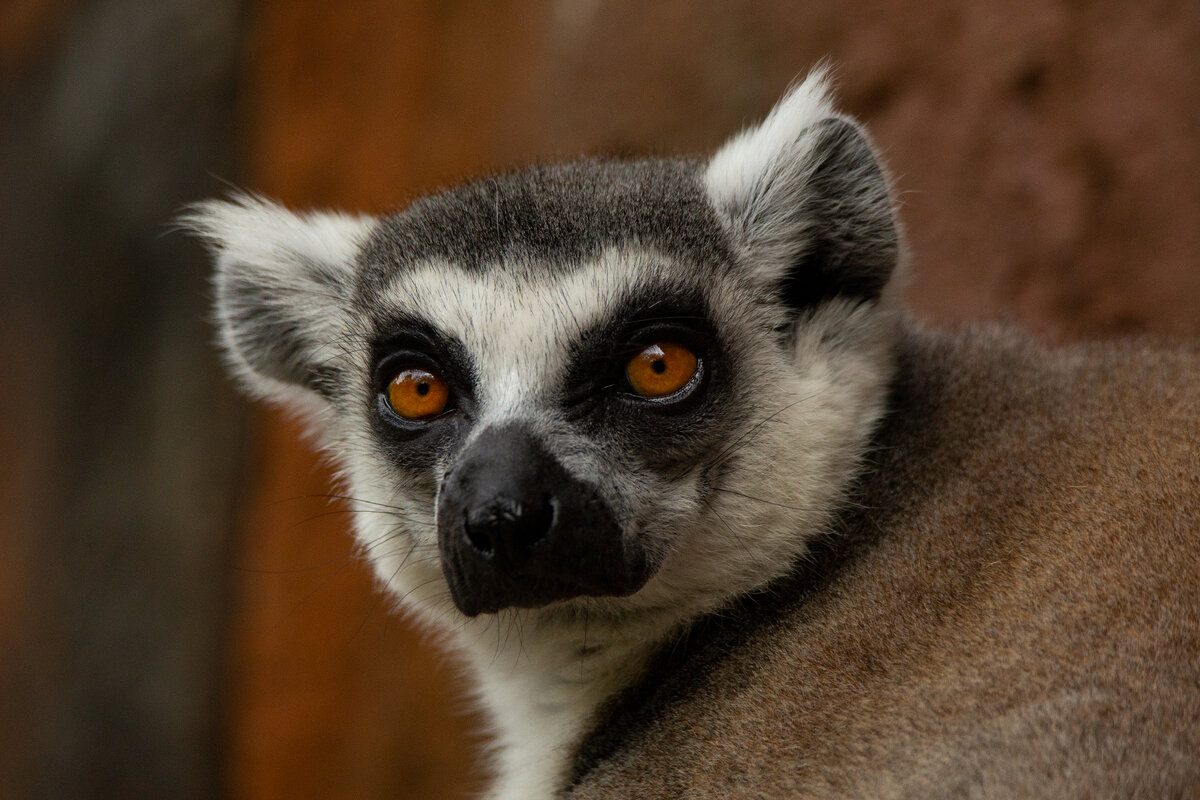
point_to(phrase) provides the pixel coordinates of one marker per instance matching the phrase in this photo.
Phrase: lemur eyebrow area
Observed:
(417, 394)
(661, 369)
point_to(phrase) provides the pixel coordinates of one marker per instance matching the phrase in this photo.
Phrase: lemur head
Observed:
(634, 385)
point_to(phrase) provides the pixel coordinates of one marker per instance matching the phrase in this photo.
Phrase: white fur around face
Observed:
(752, 160)
(804, 432)
(301, 262)
(758, 180)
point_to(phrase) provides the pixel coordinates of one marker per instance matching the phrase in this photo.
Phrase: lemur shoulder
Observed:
(707, 515)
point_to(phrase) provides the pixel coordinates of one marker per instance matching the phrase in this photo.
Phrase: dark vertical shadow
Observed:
(124, 440)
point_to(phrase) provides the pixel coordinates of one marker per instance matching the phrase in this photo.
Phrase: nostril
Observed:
(481, 532)
(511, 528)
(535, 524)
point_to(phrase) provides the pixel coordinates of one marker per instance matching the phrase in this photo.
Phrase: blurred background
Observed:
(181, 614)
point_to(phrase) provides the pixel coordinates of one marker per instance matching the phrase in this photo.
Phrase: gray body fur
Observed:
(846, 559)
(1011, 610)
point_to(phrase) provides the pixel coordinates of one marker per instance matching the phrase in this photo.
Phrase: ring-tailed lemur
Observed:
(758, 536)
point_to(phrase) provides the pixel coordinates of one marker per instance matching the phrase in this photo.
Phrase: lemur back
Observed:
(749, 532)
(1008, 609)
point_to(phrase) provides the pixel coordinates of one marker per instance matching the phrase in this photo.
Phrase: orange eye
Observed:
(417, 394)
(661, 369)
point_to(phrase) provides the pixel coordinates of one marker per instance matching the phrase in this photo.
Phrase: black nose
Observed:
(516, 528)
(508, 527)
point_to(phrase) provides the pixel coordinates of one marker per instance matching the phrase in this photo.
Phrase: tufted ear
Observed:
(805, 196)
(283, 285)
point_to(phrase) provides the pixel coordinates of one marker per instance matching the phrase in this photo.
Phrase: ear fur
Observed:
(283, 282)
(805, 196)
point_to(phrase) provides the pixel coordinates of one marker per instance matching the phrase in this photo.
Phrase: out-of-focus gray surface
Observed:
(124, 438)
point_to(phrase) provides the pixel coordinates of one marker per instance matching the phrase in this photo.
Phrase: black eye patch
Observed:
(405, 342)
(599, 357)
(401, 335)
(663, 433)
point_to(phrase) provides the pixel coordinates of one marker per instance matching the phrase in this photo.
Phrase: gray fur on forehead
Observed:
(556, 216)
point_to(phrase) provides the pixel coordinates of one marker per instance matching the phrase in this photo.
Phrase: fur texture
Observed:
(1010, 609)
(773, 261)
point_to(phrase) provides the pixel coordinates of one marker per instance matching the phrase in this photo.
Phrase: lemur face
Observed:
(641, 383)
(583, 380)
(583, 397)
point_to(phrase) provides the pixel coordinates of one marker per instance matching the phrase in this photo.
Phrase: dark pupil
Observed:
(659, 366)
(422, 388)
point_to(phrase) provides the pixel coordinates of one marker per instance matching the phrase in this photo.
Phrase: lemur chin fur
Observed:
(706, 514)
